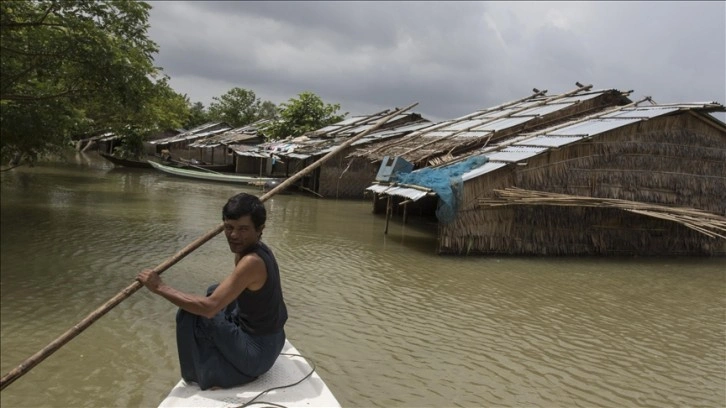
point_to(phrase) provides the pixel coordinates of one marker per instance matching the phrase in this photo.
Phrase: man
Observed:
(235, 333)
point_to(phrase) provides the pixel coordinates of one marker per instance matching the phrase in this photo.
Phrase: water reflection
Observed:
(388, 322)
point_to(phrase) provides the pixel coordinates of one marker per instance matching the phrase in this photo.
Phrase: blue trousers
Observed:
(217, 353)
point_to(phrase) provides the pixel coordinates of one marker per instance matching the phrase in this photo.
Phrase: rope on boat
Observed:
(253, 402)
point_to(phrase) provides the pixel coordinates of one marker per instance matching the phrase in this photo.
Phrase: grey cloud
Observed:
(452, 57)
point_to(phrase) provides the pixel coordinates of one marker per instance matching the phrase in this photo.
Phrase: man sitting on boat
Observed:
(166, 155)
(236, 332)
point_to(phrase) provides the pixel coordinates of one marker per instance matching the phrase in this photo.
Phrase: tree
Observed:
(298, 116)
(239, 107)
(71, 69)
(165, 109)
(268, 110)
(197, 116)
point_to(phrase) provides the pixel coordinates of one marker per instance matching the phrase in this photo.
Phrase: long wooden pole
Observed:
(41, 355)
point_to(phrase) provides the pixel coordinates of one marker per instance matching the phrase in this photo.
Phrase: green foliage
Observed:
(132, 144)
(240, 107)
(197, 116)
(268, 110)
(71, 69)
(305, 114)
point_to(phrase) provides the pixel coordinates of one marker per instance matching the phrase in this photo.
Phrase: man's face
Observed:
(241, 233)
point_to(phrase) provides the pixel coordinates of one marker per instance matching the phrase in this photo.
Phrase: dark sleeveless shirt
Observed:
(263, 311)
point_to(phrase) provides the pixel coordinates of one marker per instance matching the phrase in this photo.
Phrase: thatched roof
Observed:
(446, 140)
(712, 225)
(199, 132)
(320, 142)
(245, 134)
(518, 149)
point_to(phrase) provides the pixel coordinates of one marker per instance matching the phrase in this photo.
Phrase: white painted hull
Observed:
(311, 392)
(201, 175)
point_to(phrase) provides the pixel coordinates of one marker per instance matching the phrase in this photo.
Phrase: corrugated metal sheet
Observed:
(194, 134)
(106, 137)
(329, 128)
(436, 133)
(515, 154)
(581, 97)
(592, 127)
(531, 147)
(486, 168)
(549, 141)
(467, 124)
(505, 123)
(495, 114)
(544, 110)
(249, 151)
(298, 156)
(644, 112)
(399, 130)
(378, 188)
(348, 121)
(361, 128)
(410, 193)
(474, 134)
(322, 141)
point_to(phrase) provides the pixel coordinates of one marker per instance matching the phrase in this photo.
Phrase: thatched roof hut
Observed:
(338, 177)
(645, 180)
(218, 148)
(178, 145)
(450, 139)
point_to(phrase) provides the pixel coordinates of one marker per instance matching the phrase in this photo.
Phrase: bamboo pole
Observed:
(447, 123)
(389, 210)
(495, 118)
(712, 225)
(41, 355)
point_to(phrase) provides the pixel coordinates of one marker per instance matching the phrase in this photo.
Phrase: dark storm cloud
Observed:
(451, 57)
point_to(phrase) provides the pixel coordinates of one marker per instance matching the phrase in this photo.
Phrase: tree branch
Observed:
(38, 23)
(31, 98)
(34, 54)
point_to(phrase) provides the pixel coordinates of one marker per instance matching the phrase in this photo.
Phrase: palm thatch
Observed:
(711, 225)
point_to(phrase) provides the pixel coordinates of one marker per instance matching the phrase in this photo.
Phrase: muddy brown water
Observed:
(388, 322)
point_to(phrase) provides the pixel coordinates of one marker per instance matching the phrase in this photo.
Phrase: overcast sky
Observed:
(453, 58)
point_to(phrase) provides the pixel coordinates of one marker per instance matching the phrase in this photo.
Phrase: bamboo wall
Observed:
(250, 165)
(676, 160)
(342, 177)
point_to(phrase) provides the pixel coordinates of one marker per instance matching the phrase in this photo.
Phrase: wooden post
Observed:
(388, 214)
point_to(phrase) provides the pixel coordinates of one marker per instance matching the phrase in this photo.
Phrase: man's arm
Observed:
(250, 272)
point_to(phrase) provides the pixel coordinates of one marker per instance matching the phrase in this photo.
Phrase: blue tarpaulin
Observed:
(445, 181)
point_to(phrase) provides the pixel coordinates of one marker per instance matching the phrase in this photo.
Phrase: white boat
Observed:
(214, 176)
(291, 382)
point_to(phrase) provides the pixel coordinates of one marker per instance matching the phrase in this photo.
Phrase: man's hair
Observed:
(245, 204)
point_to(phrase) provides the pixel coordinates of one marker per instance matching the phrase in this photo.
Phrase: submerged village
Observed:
(584, 172)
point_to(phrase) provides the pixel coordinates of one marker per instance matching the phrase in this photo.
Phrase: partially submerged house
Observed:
(338, 177)
(218, 148)
(446, 141)
(106, 142)
(633, 180)
(450, 139)
(178, 145)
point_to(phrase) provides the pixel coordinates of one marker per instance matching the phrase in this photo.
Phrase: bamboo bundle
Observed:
(483, 126)
(712, 225)
(404, 140)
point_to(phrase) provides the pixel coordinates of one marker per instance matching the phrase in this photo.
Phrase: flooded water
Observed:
(388, 323)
